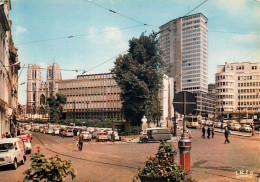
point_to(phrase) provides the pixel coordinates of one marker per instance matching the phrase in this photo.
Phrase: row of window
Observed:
(225, 103)
(191, 39)
(190, 35)
(191, 88)
(248, 90)
(189, 56)
(189, 44)
(254, 77)
(192, 47)
(190, 52)
(224, 84)
(223, 77)
(192, 27)
(191, 31)
(191, 17)
(251, 84)
(225, 96)
(249, 103)
(191, 22)
(225, 90)
(249, 97)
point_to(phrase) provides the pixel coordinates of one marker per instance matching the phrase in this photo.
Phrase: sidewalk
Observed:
(237, 133)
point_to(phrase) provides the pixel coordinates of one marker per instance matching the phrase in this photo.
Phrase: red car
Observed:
(27, 143)
(29, 134)
(102, 136)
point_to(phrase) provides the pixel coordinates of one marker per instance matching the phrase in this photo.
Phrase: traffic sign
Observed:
(184, 102)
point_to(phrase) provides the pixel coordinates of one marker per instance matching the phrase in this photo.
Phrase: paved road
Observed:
(211, 159)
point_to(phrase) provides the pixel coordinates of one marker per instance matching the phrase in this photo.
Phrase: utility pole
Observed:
(239, 107)
(74, 116)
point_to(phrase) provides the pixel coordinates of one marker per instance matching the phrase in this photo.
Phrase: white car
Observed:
(12, 152)
(116, 136)
(56, 131)
(49, 131)
(69, 132)
(86, 135)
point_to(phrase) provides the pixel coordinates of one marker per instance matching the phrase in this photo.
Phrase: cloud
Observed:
(247, 38)
(233, 6)
(113, 33)
(20, 30)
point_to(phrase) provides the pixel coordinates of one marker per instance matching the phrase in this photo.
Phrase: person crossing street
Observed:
(81, 139)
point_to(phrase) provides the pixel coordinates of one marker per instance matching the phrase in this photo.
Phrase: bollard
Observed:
(185, 148)
(38, 149)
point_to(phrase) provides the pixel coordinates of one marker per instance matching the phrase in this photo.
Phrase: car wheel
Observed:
(14, 165)
(144, 140)
(30, 151)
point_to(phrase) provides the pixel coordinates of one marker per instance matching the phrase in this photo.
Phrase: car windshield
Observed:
(6, 146)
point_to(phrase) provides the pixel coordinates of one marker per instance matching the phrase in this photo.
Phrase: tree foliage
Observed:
(54, 170)
(56, 106)
(138, 75)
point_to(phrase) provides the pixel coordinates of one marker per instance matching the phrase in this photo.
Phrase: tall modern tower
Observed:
(184, 42)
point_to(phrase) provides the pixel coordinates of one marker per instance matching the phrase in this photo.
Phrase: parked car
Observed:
(56, 131)
(155, 134)
(209, 123)
(12, 152)
(86, 135)
(49, 131)
(217, 124)
(27, 143)
(245, 128)
(102, 136)
(69, 132)
(117, 138)
(235, 126)
(94, 134)
(27, 133)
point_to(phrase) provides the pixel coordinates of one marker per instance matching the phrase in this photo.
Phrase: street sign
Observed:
(184, 102)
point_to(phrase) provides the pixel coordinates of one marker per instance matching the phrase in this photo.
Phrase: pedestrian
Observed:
(18, 132)
(203, 131)
(7, 135)
(3, 136)
(208, 131)
(253, 130)
(189, 134)
(112, 137)
(226, 133)
(212, 131)
(81, 139)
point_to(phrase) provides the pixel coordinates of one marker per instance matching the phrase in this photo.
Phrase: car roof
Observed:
(23, 137)
(9, 140)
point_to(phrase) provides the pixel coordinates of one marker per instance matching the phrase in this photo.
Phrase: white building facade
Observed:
(238, 90)
(9, 67)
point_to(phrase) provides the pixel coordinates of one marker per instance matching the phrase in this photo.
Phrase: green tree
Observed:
(56, 106)
(55, 169)
(138, 74)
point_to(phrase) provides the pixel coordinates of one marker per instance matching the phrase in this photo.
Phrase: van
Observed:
(155, 134)
(12, 152)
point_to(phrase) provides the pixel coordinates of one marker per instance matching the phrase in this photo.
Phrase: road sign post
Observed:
(184, 103)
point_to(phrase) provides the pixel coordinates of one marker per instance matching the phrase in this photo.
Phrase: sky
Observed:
(41, 31)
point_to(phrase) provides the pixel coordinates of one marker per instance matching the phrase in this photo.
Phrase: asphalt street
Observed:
(211, 159)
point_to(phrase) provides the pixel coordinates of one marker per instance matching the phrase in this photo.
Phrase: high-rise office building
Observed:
(184, 42)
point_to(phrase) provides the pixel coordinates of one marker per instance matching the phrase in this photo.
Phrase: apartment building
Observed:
(238, 89)
(9, 66)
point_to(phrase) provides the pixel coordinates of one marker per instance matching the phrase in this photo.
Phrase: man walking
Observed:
(212, 131)
(203, 131)
(208, 131)
(81, 139)
(226, 133)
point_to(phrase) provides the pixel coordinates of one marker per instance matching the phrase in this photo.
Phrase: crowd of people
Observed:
(211, 131)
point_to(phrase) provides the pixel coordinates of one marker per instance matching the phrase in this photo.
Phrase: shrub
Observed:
(163, 165)
(54, 170)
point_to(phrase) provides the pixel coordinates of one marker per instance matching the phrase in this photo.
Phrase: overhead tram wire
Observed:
(78, 35)
(120, 14)
(195, 7)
